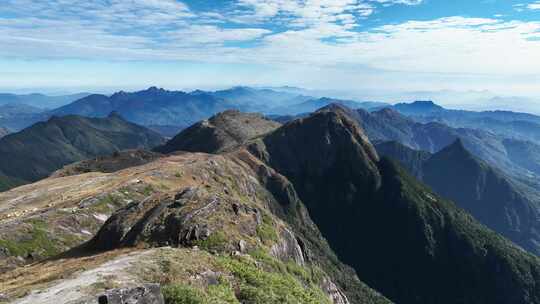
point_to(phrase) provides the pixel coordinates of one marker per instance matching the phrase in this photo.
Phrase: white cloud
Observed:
(534, 6)
(521, 7)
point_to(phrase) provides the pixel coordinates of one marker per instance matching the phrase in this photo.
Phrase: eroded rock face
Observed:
(336, 295)
(288, 248)
(146, 294)
(190, 216)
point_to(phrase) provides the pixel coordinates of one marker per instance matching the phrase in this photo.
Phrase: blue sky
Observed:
(357, 45)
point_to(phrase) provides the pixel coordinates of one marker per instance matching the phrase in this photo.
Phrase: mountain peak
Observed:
(333, 107)
(220, 132)
(389, 113)
(455, 152)
(425, 103)
(419, 107)
(333, 134)
(154, 89)
(457, 146)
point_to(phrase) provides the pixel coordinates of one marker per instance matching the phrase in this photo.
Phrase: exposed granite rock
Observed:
(146, 294)
(336, 295)
(159, 220)
(288, 248)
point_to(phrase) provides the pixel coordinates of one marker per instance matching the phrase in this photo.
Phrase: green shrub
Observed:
(216, 241)
(266, 231)
(260, 286)
(221, 294)
(38, 242)
(182, 294)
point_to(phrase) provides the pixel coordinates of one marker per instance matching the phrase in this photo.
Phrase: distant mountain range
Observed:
(515, 125)
(150, 107)
(491, 197)
(165, 110)
(171, 111)
(17, 116)
(40, 101)
(39, 150)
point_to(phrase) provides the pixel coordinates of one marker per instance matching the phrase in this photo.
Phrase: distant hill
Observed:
(17, 116)
(39, 150)
(219, 133)
(40, 101)
(491, 197)
(17, 108)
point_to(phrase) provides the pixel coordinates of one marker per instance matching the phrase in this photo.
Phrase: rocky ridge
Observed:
(219, 133)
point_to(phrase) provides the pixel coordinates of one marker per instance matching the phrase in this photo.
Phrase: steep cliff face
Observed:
(395, 232)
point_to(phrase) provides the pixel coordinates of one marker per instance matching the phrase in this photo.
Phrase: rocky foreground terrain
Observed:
(276, 219)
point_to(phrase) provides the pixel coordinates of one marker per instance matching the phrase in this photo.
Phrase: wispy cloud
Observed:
(534, 6)
(520, 7)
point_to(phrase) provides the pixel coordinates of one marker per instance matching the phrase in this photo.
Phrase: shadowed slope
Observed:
(490, 196)
(39, 150)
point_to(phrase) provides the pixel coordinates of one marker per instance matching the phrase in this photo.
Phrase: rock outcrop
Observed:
(146, 294)
(219, 133)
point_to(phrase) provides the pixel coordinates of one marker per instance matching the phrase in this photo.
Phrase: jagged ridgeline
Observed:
(276, 219)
